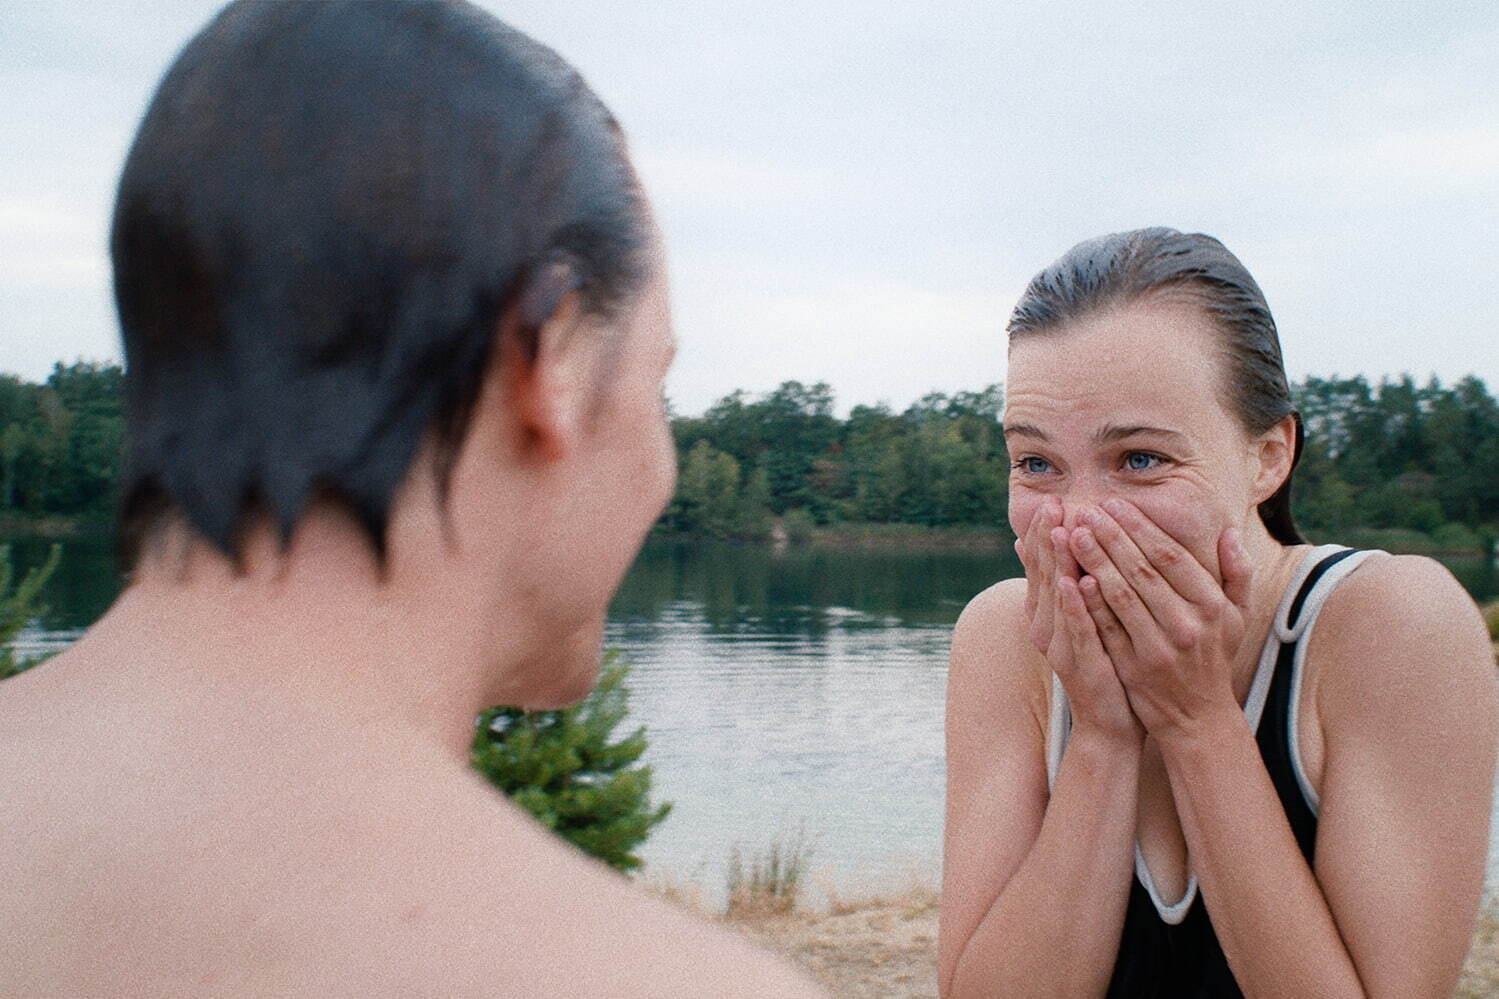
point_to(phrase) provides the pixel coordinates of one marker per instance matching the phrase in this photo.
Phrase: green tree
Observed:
(752, 519)
(708, 496)
(567, 770)
(18, 606)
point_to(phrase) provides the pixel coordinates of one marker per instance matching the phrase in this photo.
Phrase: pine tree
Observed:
(562, 768)
(18, 606)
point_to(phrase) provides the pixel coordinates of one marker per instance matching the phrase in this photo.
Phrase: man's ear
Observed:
(1276, 450)
(543, 384)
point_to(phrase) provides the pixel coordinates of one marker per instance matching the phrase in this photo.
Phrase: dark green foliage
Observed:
(1392, 455)
(715, 500)
(60, 442)
(1397, 456)
(18, 606)
(563, 768)
(941, 462)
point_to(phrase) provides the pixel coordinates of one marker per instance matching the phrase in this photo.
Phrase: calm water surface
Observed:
(784, 693)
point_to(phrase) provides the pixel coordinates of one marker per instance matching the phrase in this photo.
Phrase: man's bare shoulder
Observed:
(485, 896)
(246, 863)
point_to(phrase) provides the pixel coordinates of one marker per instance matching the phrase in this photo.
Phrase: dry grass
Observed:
(887, 950)
(770, 883)
(1481, 971)
(885, 946)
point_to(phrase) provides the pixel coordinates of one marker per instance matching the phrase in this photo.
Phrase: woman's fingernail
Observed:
(1090, 516)
(1114, 506)
(1084, 539)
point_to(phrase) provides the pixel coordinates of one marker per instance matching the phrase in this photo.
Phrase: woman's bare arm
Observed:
(1033, 893)
(1408, 713)
(1409, 728)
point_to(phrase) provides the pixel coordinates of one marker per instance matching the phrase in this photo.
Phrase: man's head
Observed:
(324, 216)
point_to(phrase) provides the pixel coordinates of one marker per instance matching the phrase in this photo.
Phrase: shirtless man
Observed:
(396, 329)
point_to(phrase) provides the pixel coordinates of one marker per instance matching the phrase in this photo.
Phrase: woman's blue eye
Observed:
(1033, 465)
(1141, 461)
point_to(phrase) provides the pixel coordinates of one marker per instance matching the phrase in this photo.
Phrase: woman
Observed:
(1190, 754)
(396, 325)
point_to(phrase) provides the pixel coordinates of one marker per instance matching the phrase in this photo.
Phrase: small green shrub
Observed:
(566, 770)
(1491, 618)
(18, 606)
(1454, 537)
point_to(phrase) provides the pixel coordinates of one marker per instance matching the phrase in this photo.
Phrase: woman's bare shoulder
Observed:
(994, 619)
(1401, 625)
(993, 659)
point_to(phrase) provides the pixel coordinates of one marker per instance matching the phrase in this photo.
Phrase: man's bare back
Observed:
(178, 842)
(395, 361)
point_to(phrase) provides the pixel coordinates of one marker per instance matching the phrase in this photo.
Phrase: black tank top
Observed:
(1185, 960)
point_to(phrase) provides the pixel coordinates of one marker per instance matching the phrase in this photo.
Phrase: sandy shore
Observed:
(886, 948)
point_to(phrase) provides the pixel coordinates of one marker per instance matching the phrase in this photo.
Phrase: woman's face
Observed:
(1128, 402)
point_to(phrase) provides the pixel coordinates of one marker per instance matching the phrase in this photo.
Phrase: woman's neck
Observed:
(1274, 566)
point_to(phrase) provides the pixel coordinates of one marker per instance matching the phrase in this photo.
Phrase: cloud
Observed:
(1453, 159)
(887, 340)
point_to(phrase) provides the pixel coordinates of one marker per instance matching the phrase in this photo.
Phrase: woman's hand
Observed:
(1170, 628)
(1038, 555)
(1077, 655)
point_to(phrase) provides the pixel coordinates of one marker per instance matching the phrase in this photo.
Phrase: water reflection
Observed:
(782, 690)
(805, 591)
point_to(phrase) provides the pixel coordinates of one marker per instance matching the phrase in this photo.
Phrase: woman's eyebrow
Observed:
(1114, 432)
(1106, 435)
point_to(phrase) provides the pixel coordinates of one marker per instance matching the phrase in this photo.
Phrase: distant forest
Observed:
(1418, 460)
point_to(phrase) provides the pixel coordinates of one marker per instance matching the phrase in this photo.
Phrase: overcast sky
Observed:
(856, 192)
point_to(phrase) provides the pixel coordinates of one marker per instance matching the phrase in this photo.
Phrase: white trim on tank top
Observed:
(1060, 724)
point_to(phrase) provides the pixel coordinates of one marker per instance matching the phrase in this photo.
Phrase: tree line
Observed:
(1392, 455)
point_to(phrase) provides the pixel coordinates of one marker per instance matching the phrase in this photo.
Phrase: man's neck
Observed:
(321, 626)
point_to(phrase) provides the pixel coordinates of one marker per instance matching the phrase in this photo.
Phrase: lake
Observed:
(785, 693)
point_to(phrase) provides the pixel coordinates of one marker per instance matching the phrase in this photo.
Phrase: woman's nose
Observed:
(1079, 499)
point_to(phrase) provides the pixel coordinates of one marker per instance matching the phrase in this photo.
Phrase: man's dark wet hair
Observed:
(1124, 267)
(325, 212)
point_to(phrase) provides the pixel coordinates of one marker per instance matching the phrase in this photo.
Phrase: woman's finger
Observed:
(1081, 629)
(1174, 614)
(1238, 571)
(1041, 527)
(1059, 652)
(1066, 564)
(1118, 592)
(1039, 575)
(1111, 633)
(1167, 556)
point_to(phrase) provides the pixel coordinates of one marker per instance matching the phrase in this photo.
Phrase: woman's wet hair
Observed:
(1124, 267)
(325, 212)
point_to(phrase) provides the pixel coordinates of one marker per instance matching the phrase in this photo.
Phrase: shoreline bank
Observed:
(902, 536)
(884, 946)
